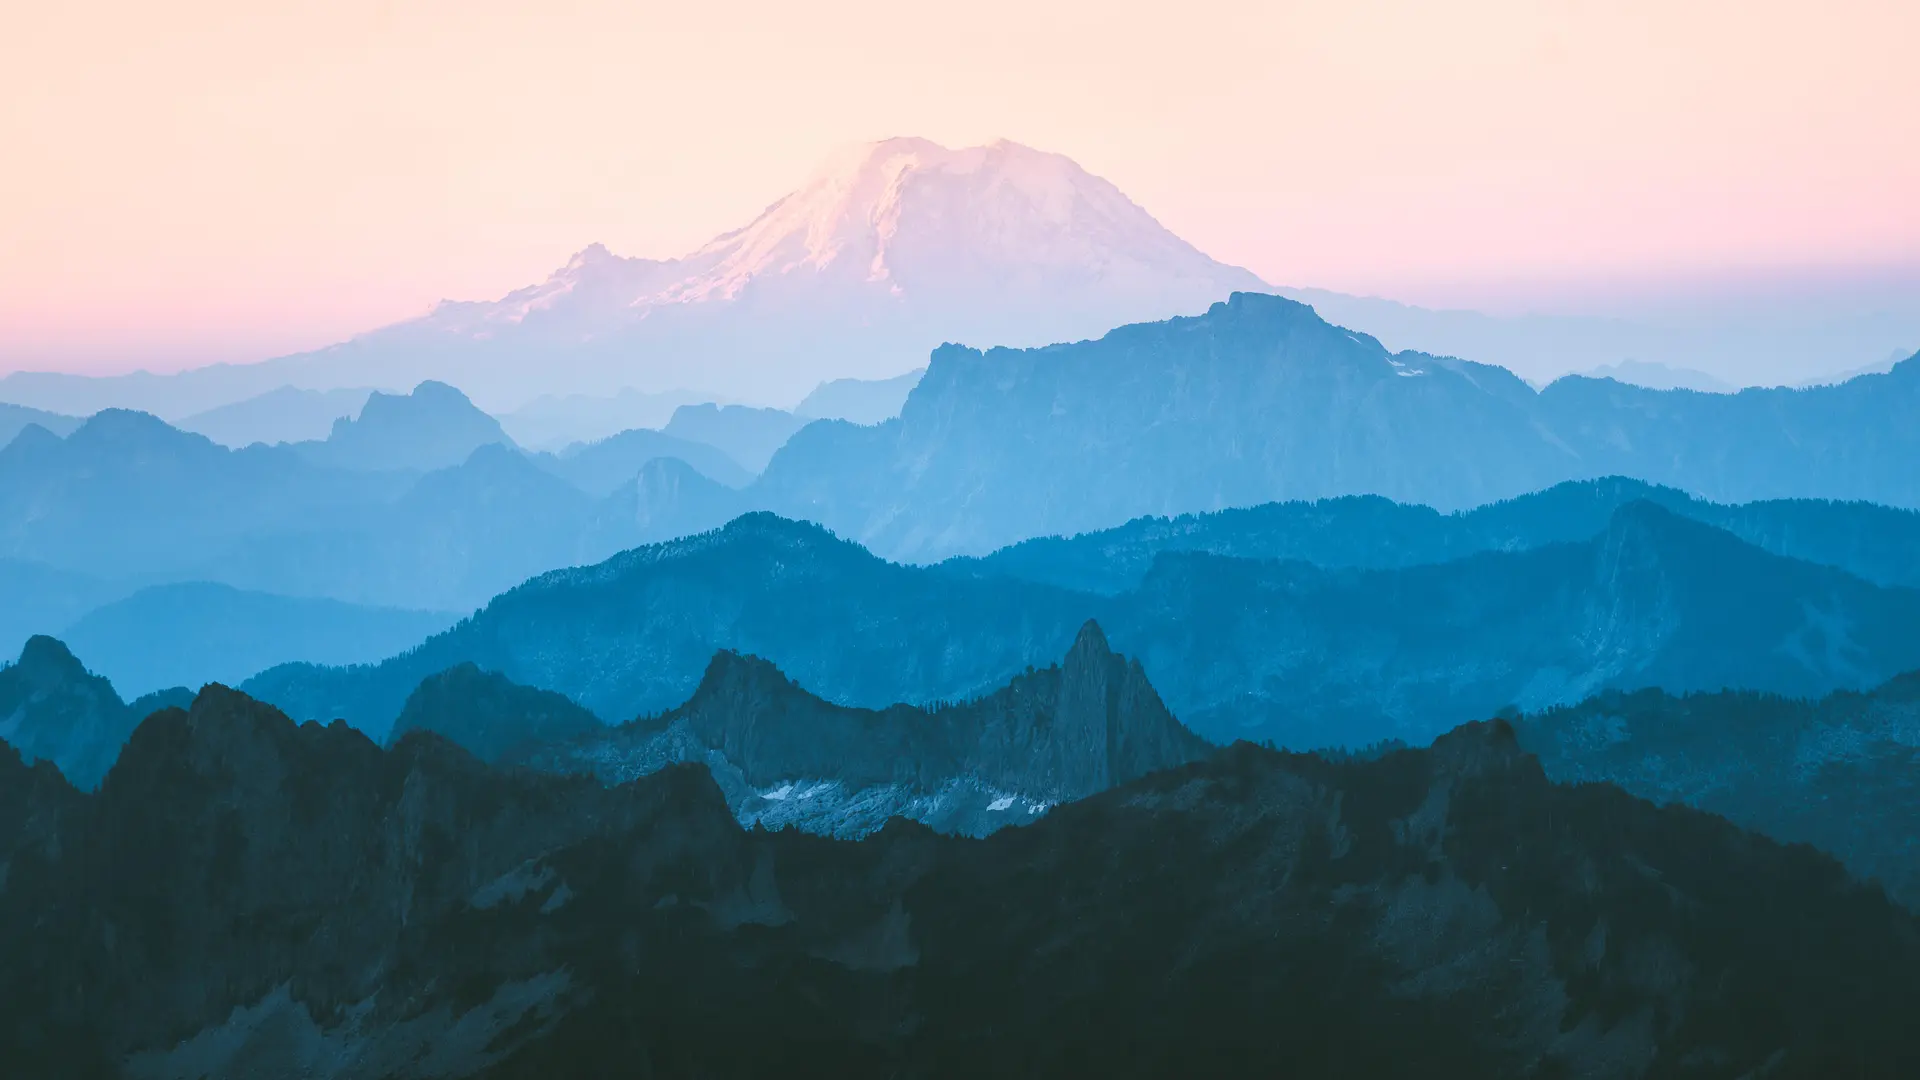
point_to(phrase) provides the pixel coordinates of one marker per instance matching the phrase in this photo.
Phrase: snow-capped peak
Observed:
(886, 250)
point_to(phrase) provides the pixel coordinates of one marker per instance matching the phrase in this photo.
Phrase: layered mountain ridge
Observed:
(1239, 648)
(1260, 400)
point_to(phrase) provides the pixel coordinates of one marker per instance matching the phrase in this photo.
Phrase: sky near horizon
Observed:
(226, 180)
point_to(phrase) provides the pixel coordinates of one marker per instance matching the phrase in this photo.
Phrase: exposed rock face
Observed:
(53, 709)
(1050, 736)
(489, 716)
(247, 897)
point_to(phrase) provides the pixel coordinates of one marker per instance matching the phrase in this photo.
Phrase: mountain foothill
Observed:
(1109, 667)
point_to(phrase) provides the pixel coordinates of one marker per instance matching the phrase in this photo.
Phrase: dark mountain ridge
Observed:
(489, 716)
(248, 896)
(53, 709)
(1841, 772)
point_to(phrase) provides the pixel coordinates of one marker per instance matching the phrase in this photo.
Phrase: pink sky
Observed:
(232, 179)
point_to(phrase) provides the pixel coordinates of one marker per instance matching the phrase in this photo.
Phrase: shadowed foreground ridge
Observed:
(268, 899)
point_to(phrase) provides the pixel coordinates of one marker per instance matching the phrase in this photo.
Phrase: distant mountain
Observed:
(1658, 376)
(431, 428)
(1772, 335)
(14, 418)
(285, 415)
(1878, 543)
(126, 495)
(670, 499)
(128, 501)
(599, 468)
(554, 422)
(448, 541)
(1879, 368)
(193, 633)
(747, 435)
(244, 896)
(1237, 647)
(887, 250)
(785, 757)
(1260, 400)
(489, 716)
(859, 401)
(42, 599)
(53, 709)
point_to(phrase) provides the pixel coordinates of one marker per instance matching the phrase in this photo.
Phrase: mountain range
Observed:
(1877, 543)
(420, 502)
(1260, 400)
(244, 895)
(1240, 648)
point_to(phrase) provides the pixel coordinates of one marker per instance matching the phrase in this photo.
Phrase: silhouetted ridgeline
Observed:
(1878, 543)
(1238, 647)
(52, 708)
(247, 896)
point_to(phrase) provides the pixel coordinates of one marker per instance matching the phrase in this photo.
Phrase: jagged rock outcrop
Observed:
(248, 897)
(1049, 736)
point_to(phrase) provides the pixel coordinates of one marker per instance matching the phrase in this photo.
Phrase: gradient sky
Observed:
(230, 179)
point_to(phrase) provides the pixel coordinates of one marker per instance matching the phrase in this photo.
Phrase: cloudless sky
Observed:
(209, 180)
